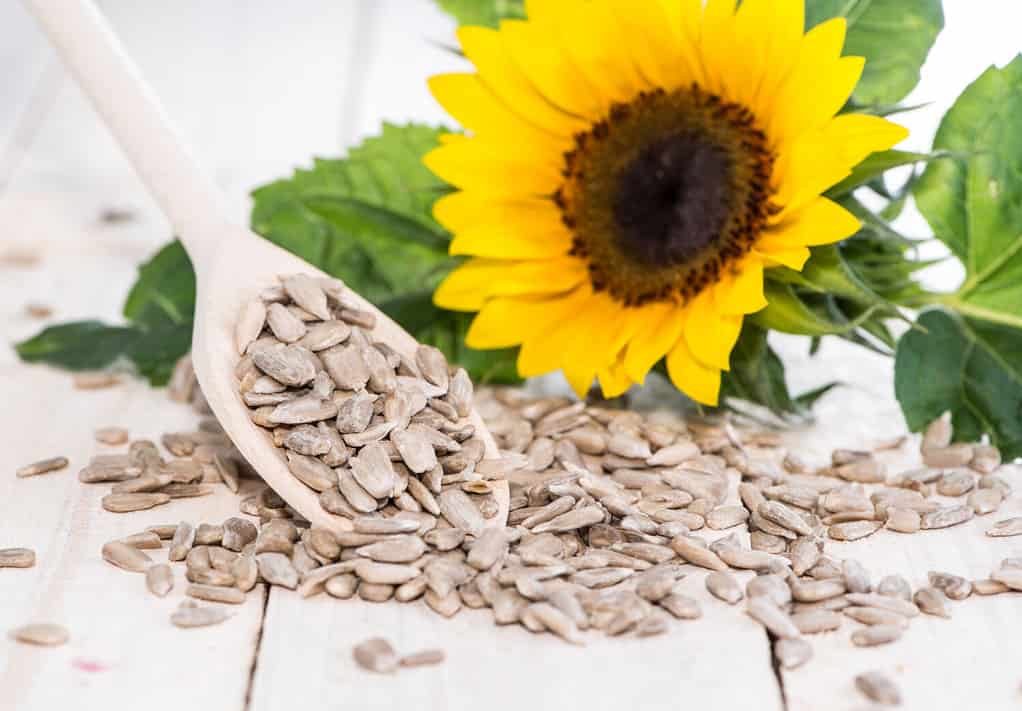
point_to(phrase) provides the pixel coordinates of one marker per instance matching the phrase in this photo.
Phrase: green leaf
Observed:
(366, 218)
(78, 345)
(893, 35)
(487, 13)
(159, 310)
(757, 376)
(973, 201)
(790, 312)
(875, 165)
(166, 282)
(966, 366)
(446, 330)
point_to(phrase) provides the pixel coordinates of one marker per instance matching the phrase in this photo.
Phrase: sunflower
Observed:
(630, 170)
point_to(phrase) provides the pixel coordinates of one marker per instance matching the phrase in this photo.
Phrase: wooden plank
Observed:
(724, 658)
(969, 661)
(123, 647)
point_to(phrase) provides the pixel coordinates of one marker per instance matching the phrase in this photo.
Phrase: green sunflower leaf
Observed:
(893, 35)
(487, 13)
(159, 312)
(366, 218)
(875, 166)
(973, 201)
(971, 368)
(757, 376)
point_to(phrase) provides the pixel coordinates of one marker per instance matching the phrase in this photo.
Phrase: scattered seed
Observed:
(43, 635)
(43, 466)
(877, 686)
(187, 616)
(17, 558)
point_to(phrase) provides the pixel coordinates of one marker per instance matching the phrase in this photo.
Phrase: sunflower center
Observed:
(666, 194)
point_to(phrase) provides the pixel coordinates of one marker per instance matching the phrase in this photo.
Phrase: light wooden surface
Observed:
(286, 81)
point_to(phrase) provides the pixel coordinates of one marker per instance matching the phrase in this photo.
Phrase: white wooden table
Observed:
(259, 87)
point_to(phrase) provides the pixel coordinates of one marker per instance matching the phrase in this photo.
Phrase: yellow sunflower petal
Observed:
(485, 49)
(544, 351)
(700, 382)
(793, 258)
(821, 221)
(614, 381)
(484, 226)
(580, 343)
(538, 55)
(659, 55)
(855, 136)
(792, 110)
(477, 109)
(716, 44)
(507, 321)
(821, 158)
(780, 48)
(710, 334)
(592, 39)
(742, 292)
(467, 287)
(659, 327)
(472, 162)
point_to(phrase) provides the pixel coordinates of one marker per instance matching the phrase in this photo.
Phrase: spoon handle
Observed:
(133, 114)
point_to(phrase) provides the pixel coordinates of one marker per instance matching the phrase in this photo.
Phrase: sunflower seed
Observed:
(353, 492)
(374, 471)
(895, 586)
(816, 590)
(461, 511)
(208, 534)
(985, 458)
(188, 616)
(724, 517)
(767, 613)
(94, 380)
(43, 635)
(697, 555)
(250, 324)
(341, 586)
(126, 557)
(245, 571)
(209, 576)
(238, 533)
(17, 558)
(43, 466)
(125, 503)
(954, 586)
(875, 616)
(214, 593)
(681, 606)
(376, 655)
(277, 569)
(878, 687)
(1007, 527)
(876, 635)
(954, 455)
(1012, 577)
(989, 587)
(903, 520)
(937, 434)
(433, 365)
(930, 600)
(159, 579)
(572, 520)
(184, 539)
(816, 621)
(943, 518)
(723, 586)
(957, 482)
(427, 657)
(792, 653)
(291, 365)
(308, 294)
(853, 530)
(885, 602)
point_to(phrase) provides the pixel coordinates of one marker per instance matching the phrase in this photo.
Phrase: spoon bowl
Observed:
(232, 264)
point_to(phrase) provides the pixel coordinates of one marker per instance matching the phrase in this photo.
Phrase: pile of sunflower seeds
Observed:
(609, 509)
(361, 424)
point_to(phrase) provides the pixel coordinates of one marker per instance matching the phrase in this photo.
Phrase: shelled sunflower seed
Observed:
(609, 510)
(368, 429)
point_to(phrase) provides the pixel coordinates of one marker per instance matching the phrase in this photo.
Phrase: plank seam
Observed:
(257, 650)
(775, 666)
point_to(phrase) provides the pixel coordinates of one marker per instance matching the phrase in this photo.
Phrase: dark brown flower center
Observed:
(666, 193)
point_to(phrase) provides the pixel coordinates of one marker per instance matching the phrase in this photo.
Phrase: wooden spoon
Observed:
(232, 264)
